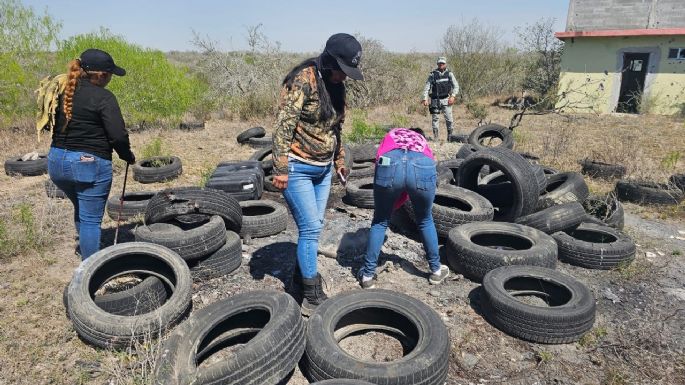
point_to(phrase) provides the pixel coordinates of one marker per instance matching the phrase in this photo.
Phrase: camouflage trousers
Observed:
(446, 110)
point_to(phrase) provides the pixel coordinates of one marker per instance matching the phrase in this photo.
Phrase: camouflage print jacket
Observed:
(299, 131)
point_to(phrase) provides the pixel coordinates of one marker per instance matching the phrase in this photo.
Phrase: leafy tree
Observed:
(26, 38)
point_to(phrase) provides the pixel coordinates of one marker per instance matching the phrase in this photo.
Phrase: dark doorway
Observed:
(633, 76)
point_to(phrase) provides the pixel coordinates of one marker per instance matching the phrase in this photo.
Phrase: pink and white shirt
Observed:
(406, 139)
(403, 138)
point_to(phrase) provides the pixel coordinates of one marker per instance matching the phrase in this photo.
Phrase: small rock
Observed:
(434, 293)
(608, 294)
(456, 277)
(245, 247)
(661, 253)
(350, 279)
(681, 232)
(650, 255)
(469, 361)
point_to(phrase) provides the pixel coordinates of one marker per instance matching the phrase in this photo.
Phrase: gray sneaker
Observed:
(437, 278)
(368, 284)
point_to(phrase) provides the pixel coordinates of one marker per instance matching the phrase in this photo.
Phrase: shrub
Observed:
(543, 64)
(477, 110)
(25, 40)
(246, 82)
(361, 129)
(390, 78)
(481, 63)
(153, 90)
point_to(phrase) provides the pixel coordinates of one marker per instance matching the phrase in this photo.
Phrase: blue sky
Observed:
(299, 25)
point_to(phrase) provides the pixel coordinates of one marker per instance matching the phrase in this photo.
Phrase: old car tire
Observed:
(107, 330)
(135, 204)
(482, 133)
(144, 171)
(269, 325)
(644, 192)
(197, 241)
(263, 218)
(170, 203)
(569, 315)
(555, 218)
(595, 246)
(375, 309)
(453, 206)
(254, 132)
(476, 248)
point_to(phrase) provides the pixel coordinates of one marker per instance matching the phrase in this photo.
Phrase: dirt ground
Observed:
(638, 337)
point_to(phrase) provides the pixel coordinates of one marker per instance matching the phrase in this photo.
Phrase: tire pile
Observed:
(506, 220)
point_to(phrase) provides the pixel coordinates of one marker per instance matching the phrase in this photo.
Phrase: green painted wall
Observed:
(590, 73)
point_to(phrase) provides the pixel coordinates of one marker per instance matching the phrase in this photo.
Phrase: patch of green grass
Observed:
(477, 110)
(399, 120)
(614, 377)
(670, 161)
(631, 270)
(676, 252)
(363, 130)
(205, 173)
(544, 356)
(6, 242)
(593, 337)
(154, 148)
(24, 216)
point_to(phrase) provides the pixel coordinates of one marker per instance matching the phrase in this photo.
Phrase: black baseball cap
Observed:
(347, 52)
(97, 60)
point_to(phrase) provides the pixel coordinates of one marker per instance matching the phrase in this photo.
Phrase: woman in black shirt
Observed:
(89, 126)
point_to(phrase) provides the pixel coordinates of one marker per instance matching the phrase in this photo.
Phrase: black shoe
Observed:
(313, 294)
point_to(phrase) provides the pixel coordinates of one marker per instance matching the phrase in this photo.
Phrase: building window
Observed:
(676, 53)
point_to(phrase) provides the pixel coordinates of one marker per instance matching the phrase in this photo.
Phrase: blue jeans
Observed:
(414, 173)
(307, 195)
(86, 180)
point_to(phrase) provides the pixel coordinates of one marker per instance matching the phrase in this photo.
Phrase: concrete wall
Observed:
(591, 15)
(591, 73)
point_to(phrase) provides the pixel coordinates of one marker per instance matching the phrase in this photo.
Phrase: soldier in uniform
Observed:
(443, 89)
(307, 148)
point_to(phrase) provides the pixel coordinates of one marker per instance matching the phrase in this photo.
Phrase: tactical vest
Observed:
(442, 86)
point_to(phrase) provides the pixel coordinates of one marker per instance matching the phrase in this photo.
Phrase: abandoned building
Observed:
(624, 56)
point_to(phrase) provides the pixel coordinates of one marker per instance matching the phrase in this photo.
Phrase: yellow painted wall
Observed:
(590, 74)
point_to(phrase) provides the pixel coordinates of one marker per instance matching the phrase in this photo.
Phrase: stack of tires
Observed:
(541, 216)
(242, 180)
(200, 224)
(255, 137)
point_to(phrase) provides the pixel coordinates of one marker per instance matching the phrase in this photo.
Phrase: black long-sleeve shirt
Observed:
(96, 126)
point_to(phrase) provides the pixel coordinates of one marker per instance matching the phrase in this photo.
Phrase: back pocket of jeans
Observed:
(426, 176)
(85, 171)
(384, 175)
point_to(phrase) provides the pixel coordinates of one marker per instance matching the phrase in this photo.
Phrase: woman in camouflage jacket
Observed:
(307, 147)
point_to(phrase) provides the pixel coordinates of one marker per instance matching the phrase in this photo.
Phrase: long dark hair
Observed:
(331, 96)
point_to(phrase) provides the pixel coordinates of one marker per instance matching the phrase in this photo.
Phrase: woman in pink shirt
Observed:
(405, 169)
